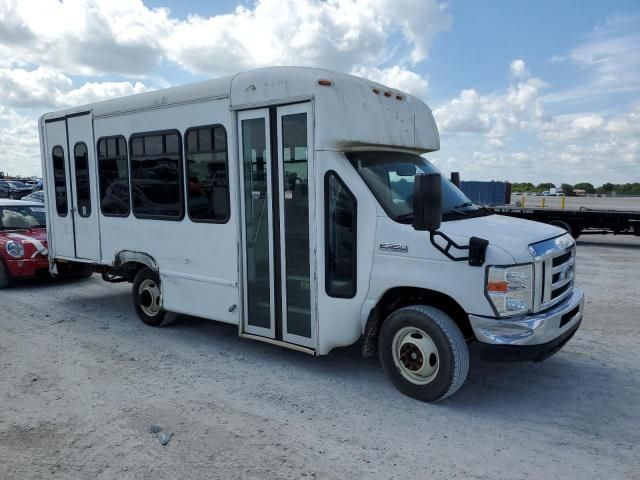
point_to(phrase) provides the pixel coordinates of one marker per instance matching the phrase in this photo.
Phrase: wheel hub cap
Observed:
(416, 356)
(149, 295)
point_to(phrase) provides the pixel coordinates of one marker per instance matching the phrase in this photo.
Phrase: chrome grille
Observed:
(554, 266)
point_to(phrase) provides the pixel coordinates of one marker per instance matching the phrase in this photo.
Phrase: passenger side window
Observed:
(113, 172)
(340, 238)
(60, 181)
(156, 175)
(207, 174)
(83, 185)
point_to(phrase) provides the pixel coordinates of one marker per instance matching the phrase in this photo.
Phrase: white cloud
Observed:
(46, 88)
(396, 77)
(519, 68)
(609, 59)
(497, 114)
(340, 35)
(19, 143)
(92, 37)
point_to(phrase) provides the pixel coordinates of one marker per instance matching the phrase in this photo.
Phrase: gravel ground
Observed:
(86, 391)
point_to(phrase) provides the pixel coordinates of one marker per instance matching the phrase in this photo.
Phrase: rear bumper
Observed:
(533, 337)
(29, 267)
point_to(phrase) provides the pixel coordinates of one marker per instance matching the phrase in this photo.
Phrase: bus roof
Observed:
(351, 112)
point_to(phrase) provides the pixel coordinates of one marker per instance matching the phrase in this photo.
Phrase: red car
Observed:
(23, 241)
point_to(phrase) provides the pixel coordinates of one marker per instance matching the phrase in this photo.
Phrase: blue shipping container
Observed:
(487, 193)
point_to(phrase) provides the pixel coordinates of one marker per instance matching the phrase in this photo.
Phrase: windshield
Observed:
(15, 184)
(16, 217)
(390, 176)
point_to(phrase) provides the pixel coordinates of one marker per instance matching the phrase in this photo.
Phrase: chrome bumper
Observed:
(537, 329)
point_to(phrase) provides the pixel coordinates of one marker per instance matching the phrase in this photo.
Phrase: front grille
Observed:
(555, 270)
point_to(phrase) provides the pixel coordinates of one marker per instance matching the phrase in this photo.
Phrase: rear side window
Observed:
(83, 185)
(341, 223)
(207, 174)
(156, 175)
(113, 172)
(60, 181)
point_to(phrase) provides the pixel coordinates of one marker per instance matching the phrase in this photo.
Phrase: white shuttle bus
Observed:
(297, 204)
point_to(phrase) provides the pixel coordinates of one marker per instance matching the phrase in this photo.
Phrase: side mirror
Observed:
(427, 202)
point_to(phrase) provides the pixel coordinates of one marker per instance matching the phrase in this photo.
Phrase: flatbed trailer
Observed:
(581, 221)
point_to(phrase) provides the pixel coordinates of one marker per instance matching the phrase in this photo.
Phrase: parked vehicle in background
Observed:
(4, 190)
(37, 196)
(296, 204)
(23, 244)
(23, 241)
(17, 189)
(546, 193)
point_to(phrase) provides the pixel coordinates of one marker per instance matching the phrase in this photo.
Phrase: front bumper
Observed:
(28, 267)
(533, 337)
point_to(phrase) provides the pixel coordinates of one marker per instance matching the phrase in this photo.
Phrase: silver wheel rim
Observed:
(149, 294)
(415, 355)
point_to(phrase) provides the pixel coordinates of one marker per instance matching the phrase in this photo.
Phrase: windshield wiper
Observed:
(462, 205)
(405, 216)
(455, 210)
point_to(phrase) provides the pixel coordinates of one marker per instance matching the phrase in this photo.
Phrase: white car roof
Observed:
(5, 202)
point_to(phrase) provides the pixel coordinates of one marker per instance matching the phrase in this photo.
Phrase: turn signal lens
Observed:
(498, 287)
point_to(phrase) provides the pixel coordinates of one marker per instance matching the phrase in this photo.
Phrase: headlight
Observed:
(15, 249)
(510, 289)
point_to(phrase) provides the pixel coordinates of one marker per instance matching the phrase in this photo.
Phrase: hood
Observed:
(33, 240)
(514, 235)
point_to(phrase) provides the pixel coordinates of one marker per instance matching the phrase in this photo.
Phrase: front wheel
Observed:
(423, 352)
(147, 299)
(4, 277)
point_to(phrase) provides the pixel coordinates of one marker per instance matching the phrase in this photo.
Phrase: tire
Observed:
(423, 352)
(563, 225)
(147, 299)
(4, 277)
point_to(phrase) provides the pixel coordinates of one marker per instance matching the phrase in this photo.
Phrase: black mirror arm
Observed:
(477, 248)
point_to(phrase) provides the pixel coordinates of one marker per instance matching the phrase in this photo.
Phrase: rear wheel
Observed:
(423, 352)
(147, 299)
(4, 277)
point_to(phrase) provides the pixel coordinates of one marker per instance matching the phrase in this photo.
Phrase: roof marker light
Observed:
(388, 93)
(399, 97)
(375, 90)
(325, 83)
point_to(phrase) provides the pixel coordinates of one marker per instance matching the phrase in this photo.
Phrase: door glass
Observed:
(60, 181)
(83, 189)
(256, 202)
(296, 223)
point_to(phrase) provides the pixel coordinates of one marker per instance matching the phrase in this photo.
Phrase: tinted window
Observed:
(83, 187)
(340, 238)
(60, 181)
(156, 166)
(207, 174)
(114, 176)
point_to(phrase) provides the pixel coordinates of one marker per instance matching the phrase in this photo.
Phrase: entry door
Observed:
(276, 153)
(58, 188)
(85, 189)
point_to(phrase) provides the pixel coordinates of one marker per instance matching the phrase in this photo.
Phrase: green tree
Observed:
(566, 189)
(587, 187)
(545, 186)
(606, 188)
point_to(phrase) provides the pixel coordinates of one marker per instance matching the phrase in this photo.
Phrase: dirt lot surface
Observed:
(83, 382)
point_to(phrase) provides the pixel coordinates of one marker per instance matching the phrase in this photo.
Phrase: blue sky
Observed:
(520, 90)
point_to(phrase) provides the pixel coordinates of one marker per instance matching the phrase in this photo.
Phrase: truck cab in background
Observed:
(298, 204)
